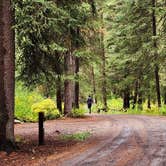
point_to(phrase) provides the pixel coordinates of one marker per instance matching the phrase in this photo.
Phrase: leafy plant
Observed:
(23, 101)
(48, 107)
(76, 136)
(78, 113)
(163, 110)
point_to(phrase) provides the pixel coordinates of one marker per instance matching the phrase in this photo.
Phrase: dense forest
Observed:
(61, 51)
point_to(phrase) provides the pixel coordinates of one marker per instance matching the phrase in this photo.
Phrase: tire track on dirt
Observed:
(155, 147)
(106, 151)
(140, 142)
(118, 140)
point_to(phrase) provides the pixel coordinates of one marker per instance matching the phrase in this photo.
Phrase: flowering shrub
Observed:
(48, 107)
(24, 99)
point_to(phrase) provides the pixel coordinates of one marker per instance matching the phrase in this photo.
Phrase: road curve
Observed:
(124, 140)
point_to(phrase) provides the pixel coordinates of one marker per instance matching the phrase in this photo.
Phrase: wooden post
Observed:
(41, 128)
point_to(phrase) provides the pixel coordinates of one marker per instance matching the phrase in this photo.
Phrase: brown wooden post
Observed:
(41, 128)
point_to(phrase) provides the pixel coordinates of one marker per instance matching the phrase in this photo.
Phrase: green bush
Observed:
(48, 107)
(78, 113)
(163, 110)
(115, 104)
(112, 105)
(28, 104)
(24, 99)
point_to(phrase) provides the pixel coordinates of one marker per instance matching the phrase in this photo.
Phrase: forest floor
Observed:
(116, 140)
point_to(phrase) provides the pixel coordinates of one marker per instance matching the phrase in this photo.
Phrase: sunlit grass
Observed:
(76, 136)
(115, 106)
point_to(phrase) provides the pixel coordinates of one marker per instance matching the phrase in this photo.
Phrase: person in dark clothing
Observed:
(89, 103)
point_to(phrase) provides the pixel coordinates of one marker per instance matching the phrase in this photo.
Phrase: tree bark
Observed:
(68, 84)
(165, 97)
(154, 30)
(76, 71)
(94, 84)
(77, 86)
(126, 98)
(140, 100)
(3, 110)
(158, 85)
(6, 74)
(149, 102)
(59, 72)
(135, 94)
(73, 82)
(104, 82)
(59, 94)
(103, 66)
(9, 66)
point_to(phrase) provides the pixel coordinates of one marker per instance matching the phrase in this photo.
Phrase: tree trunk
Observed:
(77, 87)
(3, 54)
(3, 110)
(9, 67)
(73, 81)
(77, 67)
(59, 72)
(104, 82)
(149, 102)
(93, 6)
(6, 74)
(103, 67)
(140, 107)
(135, 94)
(59, 93)
(126, 99)
(155, 47)
(165, 97)
(68, 85)
(94, 85)
(158, 85)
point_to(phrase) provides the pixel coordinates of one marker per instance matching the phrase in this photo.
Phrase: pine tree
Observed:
(6, 75)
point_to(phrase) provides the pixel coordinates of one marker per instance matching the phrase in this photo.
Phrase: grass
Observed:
(76, 136)
(78, 113)
(156, 111)
(25, 99)
(115, 106)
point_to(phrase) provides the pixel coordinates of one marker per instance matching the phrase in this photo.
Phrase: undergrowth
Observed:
(76, 136)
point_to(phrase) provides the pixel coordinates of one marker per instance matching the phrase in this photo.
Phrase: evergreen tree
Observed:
(6, 75)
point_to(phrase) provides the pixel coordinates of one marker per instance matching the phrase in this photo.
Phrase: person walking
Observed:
(89, 103)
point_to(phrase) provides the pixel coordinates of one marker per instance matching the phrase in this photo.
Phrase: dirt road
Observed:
(129, 141)
(117, 140)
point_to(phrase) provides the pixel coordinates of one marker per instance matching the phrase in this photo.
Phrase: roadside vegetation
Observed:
(29, 103)
(76, 136)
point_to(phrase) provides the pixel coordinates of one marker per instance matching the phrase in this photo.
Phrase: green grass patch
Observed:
(78, 113)
(76, 136)
(153, 111)
(115, 106)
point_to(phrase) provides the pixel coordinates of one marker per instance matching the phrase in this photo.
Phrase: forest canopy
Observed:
(102, 48)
